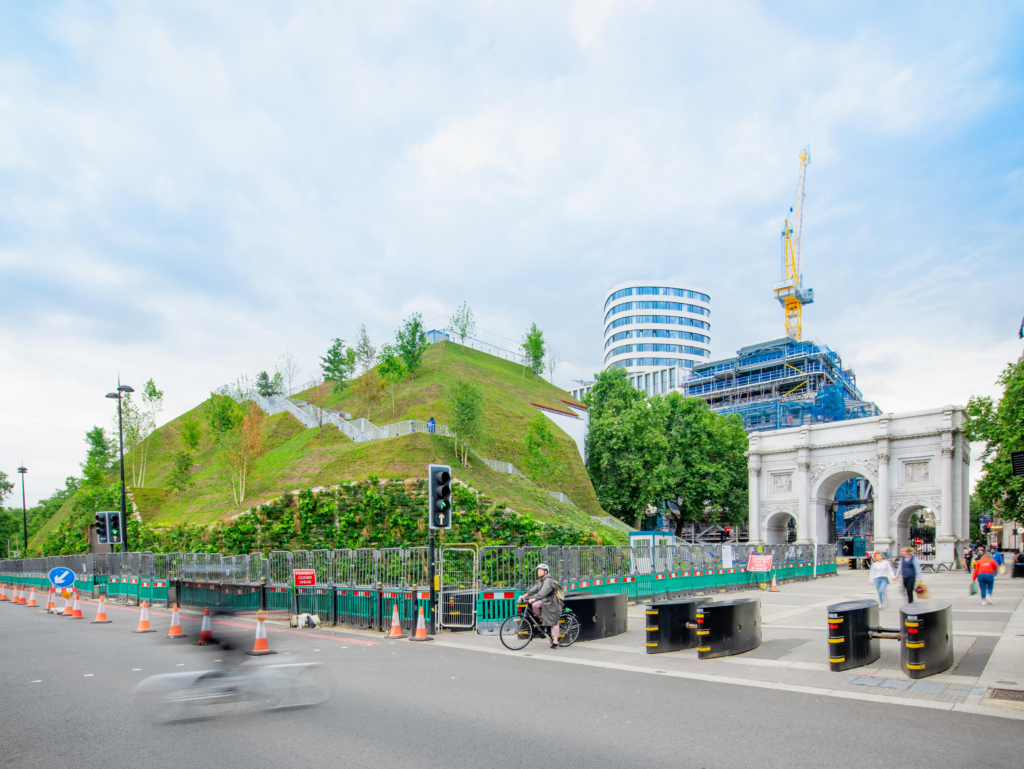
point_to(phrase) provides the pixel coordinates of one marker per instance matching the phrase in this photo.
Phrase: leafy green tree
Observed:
(391, 368)
(1001, 426)
(462, 323)
(338, 364)
(465, 405)
(705, 467)
(411, 341)
(626, 447)
(263, 385)
(224, 415)
(533, 350)
(102, 449)
(6, 487)
(191, 433)
(544, 456)
(180, 478)
(154, 401)
(277, 384)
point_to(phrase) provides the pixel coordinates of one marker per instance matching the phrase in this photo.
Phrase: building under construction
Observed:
(782, 383)
(789, 381)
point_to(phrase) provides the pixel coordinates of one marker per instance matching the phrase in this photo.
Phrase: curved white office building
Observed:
(652, 329)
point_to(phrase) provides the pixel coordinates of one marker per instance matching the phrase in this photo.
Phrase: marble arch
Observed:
(915, 460)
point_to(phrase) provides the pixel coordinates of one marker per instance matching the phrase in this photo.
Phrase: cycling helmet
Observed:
(543, 566)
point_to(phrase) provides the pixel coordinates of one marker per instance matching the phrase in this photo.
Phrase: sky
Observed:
(189, 190)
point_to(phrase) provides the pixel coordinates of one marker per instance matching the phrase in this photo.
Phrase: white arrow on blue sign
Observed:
(61, 576)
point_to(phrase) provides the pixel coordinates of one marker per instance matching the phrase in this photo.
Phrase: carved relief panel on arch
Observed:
(781, 483)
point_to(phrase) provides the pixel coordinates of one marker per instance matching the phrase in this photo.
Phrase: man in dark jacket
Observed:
(544, 600)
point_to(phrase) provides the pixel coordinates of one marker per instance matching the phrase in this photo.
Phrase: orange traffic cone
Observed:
(261, 647)
(206, 631)
(51, 608)
(101, 612)
(175, 631)
(396, 625)
(16, 597)
(144, 621)
(31, 597)
(21, 595)
(421, 629)
(76, 610)
(67, 606)
(775, 585)
(3, 592)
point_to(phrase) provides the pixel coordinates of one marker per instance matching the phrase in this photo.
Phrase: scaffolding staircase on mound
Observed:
(357, 429)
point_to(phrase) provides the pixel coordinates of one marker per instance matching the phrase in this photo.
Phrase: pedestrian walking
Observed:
(997, 556)
(909, 569)
(968, 558)
(544, 600)
(985, 573)
(881, 574)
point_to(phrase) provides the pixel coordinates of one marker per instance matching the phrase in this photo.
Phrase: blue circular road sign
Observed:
(61, 576)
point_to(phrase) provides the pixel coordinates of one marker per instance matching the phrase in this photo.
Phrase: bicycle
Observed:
(517, 631)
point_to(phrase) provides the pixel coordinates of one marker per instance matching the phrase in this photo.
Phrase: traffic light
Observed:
(439, 479)
(101, 528)
(114, 527)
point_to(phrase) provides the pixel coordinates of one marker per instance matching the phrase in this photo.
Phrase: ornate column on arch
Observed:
(882, 524)
(754, 498)
(945, 543)
(804, 535)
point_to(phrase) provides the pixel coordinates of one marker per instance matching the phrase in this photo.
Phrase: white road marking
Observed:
(38, 681)
(180, 665)
(136, 670)
(88, 675)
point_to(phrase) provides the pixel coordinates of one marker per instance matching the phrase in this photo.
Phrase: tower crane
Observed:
(790, 291)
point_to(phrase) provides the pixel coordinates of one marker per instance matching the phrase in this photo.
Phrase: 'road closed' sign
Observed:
(759, 562)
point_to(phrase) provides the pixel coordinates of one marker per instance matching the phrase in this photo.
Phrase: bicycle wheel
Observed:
(568, 630)
(515, 633)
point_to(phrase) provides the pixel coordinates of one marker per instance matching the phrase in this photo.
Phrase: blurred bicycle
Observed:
(209, 693)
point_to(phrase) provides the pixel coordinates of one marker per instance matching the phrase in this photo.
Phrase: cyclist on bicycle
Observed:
(543, 598)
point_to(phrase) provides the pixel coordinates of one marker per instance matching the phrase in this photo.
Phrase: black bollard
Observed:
(671, 625)
(851, 643)
(728, 627)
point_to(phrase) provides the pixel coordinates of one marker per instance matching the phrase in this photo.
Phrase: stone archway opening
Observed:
(844, 507)
(780, 528)
(908, 519)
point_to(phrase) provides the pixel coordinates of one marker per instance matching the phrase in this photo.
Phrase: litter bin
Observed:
(728, 627)
(850, 643)
(668, 624)
(926, 638)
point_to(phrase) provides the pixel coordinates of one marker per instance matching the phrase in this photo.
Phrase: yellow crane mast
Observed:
(790, 291)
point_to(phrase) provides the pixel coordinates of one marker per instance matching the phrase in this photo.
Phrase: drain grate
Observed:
(1007, 694)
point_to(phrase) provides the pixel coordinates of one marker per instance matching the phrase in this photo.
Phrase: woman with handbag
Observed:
(910, 570)
(985, 573)
(881, 574)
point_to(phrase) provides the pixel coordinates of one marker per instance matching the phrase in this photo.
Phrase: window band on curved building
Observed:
(657, 291)
(668, 320)
(657, 333)
(668, 362)
(677, 306)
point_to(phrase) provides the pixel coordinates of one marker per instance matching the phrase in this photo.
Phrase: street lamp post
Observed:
(121, 388)
(24, 510)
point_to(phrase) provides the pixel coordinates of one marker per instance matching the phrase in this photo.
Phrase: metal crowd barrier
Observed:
(360, 588)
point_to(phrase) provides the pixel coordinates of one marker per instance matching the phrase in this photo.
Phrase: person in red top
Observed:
(985, 569)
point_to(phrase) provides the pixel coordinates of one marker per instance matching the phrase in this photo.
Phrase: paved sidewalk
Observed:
(988, 645)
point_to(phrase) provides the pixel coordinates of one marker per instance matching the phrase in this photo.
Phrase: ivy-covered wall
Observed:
(369, 513)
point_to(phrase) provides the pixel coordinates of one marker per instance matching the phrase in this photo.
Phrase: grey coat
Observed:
(550, 608)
